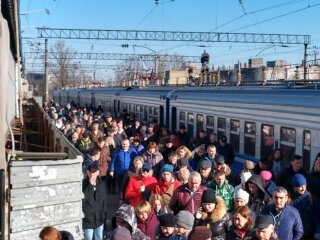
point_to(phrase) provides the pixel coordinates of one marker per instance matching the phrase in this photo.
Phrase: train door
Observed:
(190, 123)
(161, 121)
(114, 106)
(93, 100)
(173, 119)
(118, 105)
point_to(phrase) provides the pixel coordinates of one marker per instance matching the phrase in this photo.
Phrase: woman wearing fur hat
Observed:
(213, 214)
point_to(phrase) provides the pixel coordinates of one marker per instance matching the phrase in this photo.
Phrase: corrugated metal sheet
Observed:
(45, 192)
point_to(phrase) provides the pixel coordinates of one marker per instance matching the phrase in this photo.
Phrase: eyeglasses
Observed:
(145, 170)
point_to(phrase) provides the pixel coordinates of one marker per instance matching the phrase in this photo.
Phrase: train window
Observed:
(155, 111)
(190, 124)
(182, 117)
(249, 138)
(145, 113)
(150, 111)
(287, 142)
(199, 122)
(306, 149)
(267, 140)
(222, 123)
(210, 125)
(235, 134)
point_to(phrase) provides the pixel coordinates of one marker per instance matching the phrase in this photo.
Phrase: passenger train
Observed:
(255, 120)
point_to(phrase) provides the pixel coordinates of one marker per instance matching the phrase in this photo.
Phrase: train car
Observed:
(255, 120)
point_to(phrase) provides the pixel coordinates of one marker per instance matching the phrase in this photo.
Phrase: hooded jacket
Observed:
(126, 213)
(256, 204)
(219, 223)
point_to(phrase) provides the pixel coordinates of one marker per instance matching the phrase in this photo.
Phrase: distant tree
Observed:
(64, 73)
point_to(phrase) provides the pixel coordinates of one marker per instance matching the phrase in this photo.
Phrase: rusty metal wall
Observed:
(45, 192)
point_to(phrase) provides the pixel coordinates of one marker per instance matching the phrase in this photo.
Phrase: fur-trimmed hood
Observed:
(219, 211)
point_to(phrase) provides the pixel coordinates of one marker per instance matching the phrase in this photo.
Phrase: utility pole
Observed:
(46, 70)
(305, 62)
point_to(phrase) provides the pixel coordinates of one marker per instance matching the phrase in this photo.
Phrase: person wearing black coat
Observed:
(94, 205)
(226, 150)
(213, 214)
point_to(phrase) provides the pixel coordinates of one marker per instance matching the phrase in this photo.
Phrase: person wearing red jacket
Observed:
(139, 188)
(167, 184)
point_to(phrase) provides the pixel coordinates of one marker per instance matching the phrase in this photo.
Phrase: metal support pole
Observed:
(46, 70)
(305, 62)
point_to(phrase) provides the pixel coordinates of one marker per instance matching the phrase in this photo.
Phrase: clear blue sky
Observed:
(255, 16)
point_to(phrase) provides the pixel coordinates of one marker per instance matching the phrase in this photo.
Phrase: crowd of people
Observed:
(172, 186)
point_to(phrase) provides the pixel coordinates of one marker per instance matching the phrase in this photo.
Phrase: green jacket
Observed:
(226, 191)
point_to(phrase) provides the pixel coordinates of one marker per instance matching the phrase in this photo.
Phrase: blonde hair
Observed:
(155, 197)
(138, 158)
(187, 153)
(110, 141)
(183, 173)
(143, 207)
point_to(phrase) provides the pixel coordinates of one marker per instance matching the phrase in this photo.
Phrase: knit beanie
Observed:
(298, 180)
(245, 176)
(185, 219)
(200, 233)
(120, 233)
(266, 175)
(167, 168)
(242, 194)
(208, 196)
(167, 220)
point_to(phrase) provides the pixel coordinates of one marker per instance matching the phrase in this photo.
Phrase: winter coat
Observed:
(126, 213)
(256, 204)
(104, 161)
(165, 152)
(84, 147)
(94, 204)
(304, 204)
(180, 199)
(139, 149)
(314, 185)
(121, 161)
(133, 193)
(184, 138)
(149, 226)
(271, 187)
(166, 189)
(288, 222)
(233, 234)
(87, 162)
(219, 224)
(227, 152)
(132, 172)
(156, 160)
(285, 179)
(226, 191)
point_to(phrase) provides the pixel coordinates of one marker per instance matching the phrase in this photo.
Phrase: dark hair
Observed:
(296, 157)
(94, 151)
(245, 212)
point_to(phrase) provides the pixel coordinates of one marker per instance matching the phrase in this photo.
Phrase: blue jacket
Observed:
(121, 161)
(288, 224)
